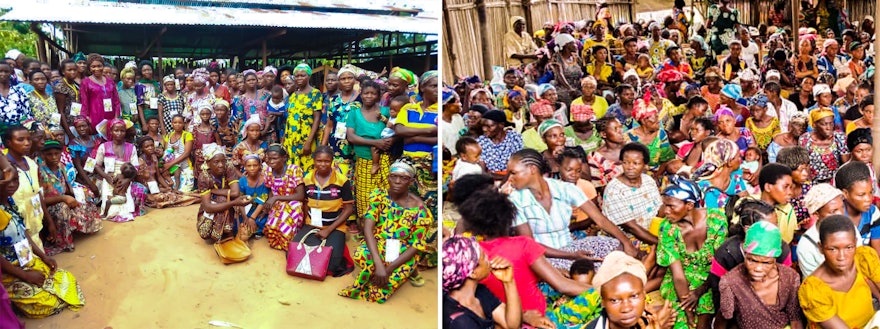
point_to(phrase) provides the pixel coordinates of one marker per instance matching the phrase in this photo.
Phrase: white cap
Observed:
(821, 89)
(13, 53)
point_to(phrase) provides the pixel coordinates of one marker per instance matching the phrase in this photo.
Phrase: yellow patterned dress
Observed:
(410, 226)
(302, 109)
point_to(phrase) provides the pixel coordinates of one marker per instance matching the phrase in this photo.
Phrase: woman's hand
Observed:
(380, 277)
(537, 320)
(501, 269)
(71, 202)
(269, 202)
(33, 277)
(690, 302)
(662, 318)
(53, 265)
(384, 144)
(251, 224)
(324, 233)
(51, 230)
(307, 149)
(242, 200)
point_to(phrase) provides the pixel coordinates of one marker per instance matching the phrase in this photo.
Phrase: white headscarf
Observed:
(563, 39)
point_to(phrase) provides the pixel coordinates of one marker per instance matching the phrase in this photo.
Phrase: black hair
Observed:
(859, 136)
(32, 73)
(623, 86)
(277, 148)
(596, 48)
(809, 77)
(636, 147)
(128, 170)
(278, 89)
(851, 173)
(468, 184)
(144, 62)
(65, 62)
(530, 157)
(575, 152)
(488, 213)
(772, 173)
(773, 86)
(463, 142)
(833, 224)
(603, 123)
(153, 117)
(865, 86)
(370, 84)
(630, 39)
(323, 149)
(678, 4)
(706, 123)
(868, 100)
(581, 267)
(750, 211)
(479, 108)
(793, 157)
(696, 100)
(178, 116)
(140, 141)
(399, 99)
(510, 71)
(9, 131)
(664, 34)
(671, 49)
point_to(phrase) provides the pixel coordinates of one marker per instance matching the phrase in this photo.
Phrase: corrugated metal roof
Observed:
(140, 14)
(398, 5)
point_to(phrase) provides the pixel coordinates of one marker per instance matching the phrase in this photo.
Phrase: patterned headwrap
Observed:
(669, 76)
(828, 43)
(616, 264)
(209, 151)
(78, 57)
(582, 113)
(562, 39)
(701, 41)
(201, 75)
(763, 239)
(643, 110)
(427, 76)
(541, 108)
(477, 91)
(79, 118)
(248, 71)
(168, 78)
(128, 70)
(819, 195)
(715, 156)
(821, 89)
(251, 157)
(303, 67)
(347, 68)
(253, 120)
(409, 76)
(819, 114)
(732, 90)
(759, 100)
(548, 124)
(402, 167)
(461, 255)
(691, 87)
(722, 111)
(270, 69)
(221, 102)
(513, 93)
(543, 88)
(683, 189)
(448, 95)
(470, 79)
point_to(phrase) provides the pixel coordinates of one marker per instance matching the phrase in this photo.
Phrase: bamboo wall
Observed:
(462, 50)
(754, 12)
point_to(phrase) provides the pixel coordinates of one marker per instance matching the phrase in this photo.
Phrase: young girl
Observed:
(273, 128)
(153, 128)
(179, 148)
(203, 133)
(644, 69)
(254, 185)
(763, 126)
(225, 126)
(251, 144)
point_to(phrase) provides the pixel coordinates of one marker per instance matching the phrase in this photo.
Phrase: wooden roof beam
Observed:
(35, 29)
(152, 43)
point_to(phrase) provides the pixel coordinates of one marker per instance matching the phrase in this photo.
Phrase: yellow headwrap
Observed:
(819, 114)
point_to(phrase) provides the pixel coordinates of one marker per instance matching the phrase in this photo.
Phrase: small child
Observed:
(277, 108)
(120, 183)
(469, 152)
(644, 68)
(751, 166)
(569, 312)
(387, 132)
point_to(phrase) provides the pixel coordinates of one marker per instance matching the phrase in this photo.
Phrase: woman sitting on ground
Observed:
(109, 159)
(220, 194)
(393, 215)
(285, 200)
(621, 281)
(27, 197)
(26, 284)
(160, 188)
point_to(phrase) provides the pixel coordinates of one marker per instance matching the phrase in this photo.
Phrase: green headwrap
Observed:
(79, 57)
(404, 74)
(546, 125)
(428, 75)
(303, 67)
(763, 239)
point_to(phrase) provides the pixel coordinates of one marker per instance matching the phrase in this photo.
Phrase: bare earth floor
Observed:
(156, 272)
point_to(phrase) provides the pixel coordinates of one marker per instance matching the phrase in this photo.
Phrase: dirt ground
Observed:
(156, 272)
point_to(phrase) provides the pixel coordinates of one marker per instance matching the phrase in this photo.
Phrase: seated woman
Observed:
(650, 134)
(621, 281)
(27, 284)
(81, 148)
(218, 185)
(330, 203)
(250, 143)
(466, 302)
(27, 197)
(632, 199)
(395, 219)
(760, 293)
(62, 207)
(109, 158)
(285, 200)
(838, 293)
(551, 227)
(719, 176)
(688, 239)
(822, 200)
(160, 188)
(253, 184)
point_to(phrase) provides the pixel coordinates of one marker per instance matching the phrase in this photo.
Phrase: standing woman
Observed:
(100, 99)
(170, 104)
(268, 78)
(27, 198)
(180, 142)
(199, 98)
(14, 104)
(417, 125)
(364, 133)
(339, 108)
(253, 101)
(285, 202)
(81, 67)
(827, 146)
(42, 103)
(303, 118)
(131, 97)
(67, 95)
(400, 81)
(151, 86)
(214, 86)
(393, 215)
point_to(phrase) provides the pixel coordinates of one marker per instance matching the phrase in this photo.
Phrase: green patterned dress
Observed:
(696, 264)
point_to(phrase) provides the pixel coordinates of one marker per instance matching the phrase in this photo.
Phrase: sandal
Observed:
(417, 280)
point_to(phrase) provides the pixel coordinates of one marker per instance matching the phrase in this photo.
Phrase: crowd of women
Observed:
(633, 176)
(266, 154)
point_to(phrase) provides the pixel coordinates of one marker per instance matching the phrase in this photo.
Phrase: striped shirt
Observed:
(330, 197)
(549, 229)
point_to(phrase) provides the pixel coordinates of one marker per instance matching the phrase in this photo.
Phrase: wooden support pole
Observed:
(795, 23)
(39, 33)
(453, 66)
(159, 66)
(484, 39)
(146, 50)
(527, 12)
(265, 59)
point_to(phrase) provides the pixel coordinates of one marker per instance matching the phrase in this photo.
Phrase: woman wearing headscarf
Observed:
(621, 283)
(567, 67)
(398, 219)
(251, 142)
(519, 47)
(547, 93)
(730, 94)
(400, 82)
(760, 293)
(649, 133)
(827, 146)
(131, 96)
(465, 264)
(200, 98)
(304, 109)
(269, 81)
(100, 98)
(688, 239)
(763, 126)
(719, 176)
(725, 123)
(417, 125)
(797, 126)
(532, 138)
(340, 106)
(170, 104)
(110, 157)
(218, 185)
(551, 132)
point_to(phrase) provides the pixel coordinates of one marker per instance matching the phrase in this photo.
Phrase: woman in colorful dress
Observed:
(121, 152)
(253, 101)
(69, 214)
(400, 82)
(225, 126)
(605, 161)
(253, 184)
(42, 103)
(27, 198)
(131, 97)
(649, 133)
(170, 104)
(285, 202)
(688, 240)
(304, 107)
(81, 148)
(827, 146)
(719, 176)
(364, 133)
(149, 174)
(29, 286)
(393, 215)
(66, 93)
(727, 129)
(203, 133)
(218, 185)
(150, 85)
(251, 143)
(100, 99)
(199, 99)
(341, 105)
(417, 125)
(763, 126)
(180, 144)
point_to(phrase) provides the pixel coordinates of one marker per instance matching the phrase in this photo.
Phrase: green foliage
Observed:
(17, 35)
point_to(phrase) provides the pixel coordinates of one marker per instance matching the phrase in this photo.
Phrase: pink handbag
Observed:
(308, 262)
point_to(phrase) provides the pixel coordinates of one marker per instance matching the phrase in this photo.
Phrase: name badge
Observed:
(153, 186)
(23, 252)
(55, 119)
(316, 217)
(109, 165)
(133, 108)
(75, 108)
(79, 194)
(154, 103)
(38, 209)
(108, 105)
(90, 165)
(392, 250)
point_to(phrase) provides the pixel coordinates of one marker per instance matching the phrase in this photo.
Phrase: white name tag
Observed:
(108, 105)
(24, 253)
(392, 250)
(55, 119)
(75, 108)
(154, 103)
(316, 217)
(38, 209)
(109, 164)
(340, 131)
(90, 165)
(153, 186)
(79, 194)
(133, 108)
